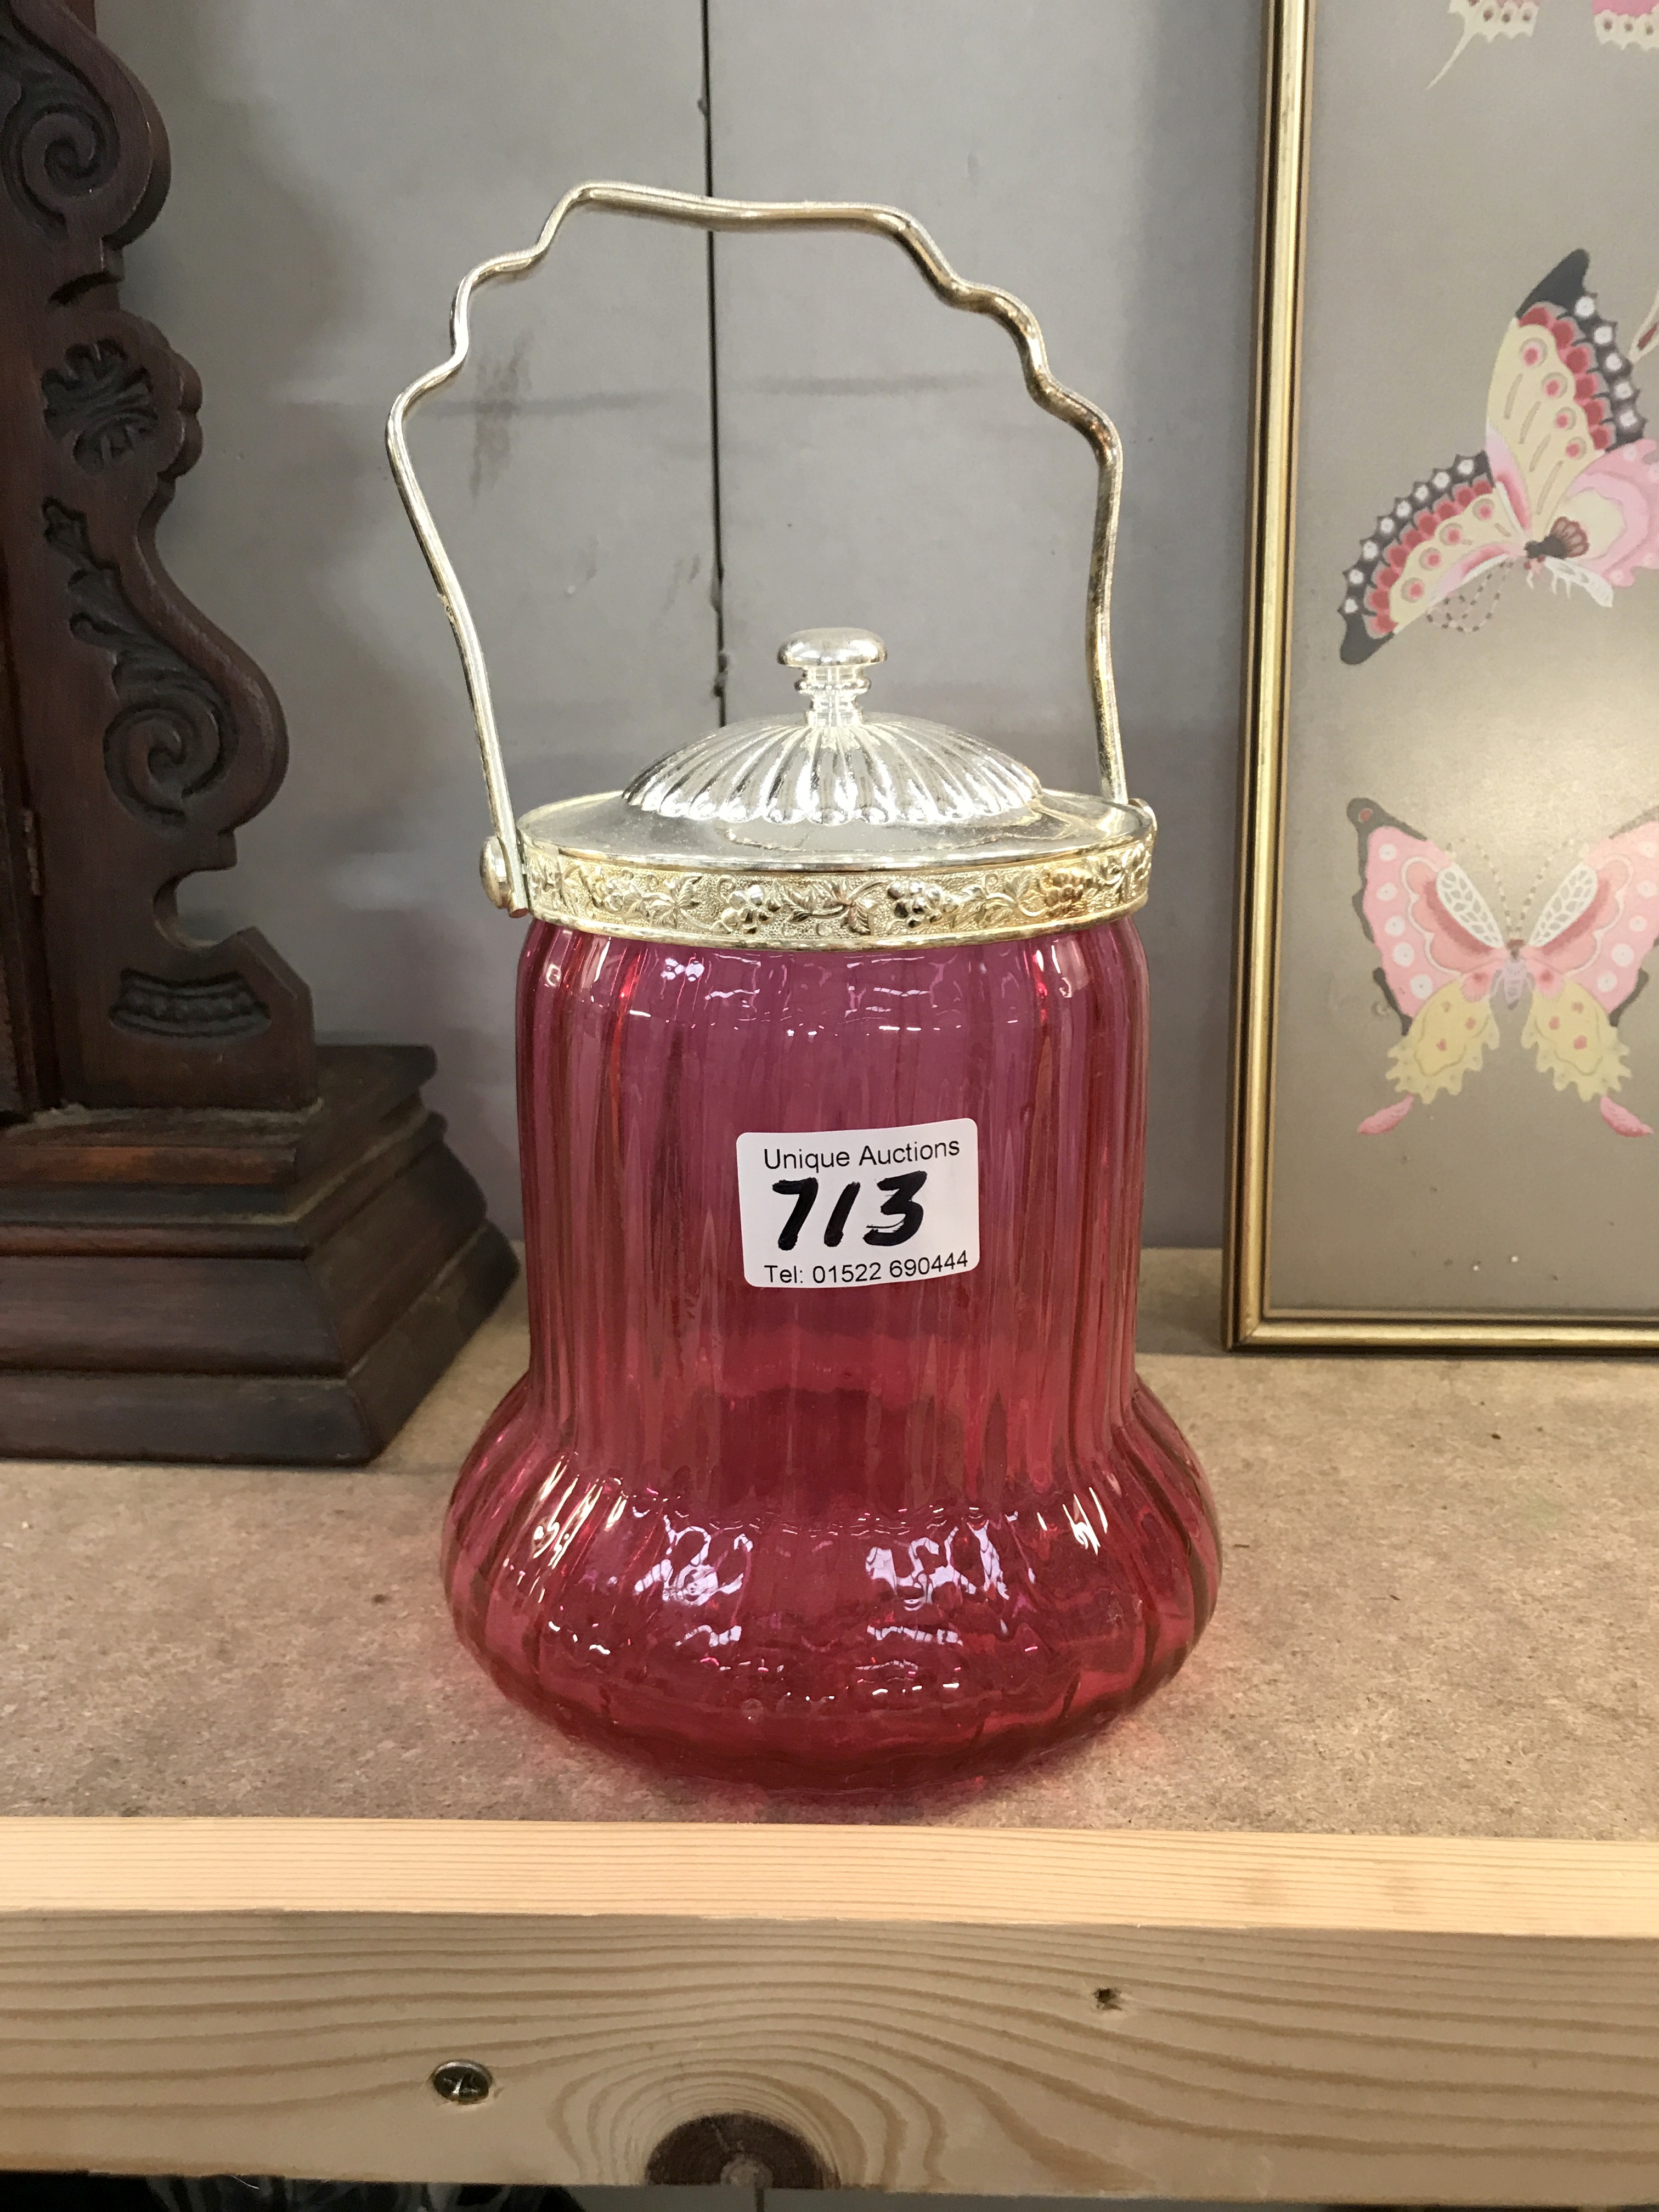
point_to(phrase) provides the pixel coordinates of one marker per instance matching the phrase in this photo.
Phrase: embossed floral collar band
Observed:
(835, 828)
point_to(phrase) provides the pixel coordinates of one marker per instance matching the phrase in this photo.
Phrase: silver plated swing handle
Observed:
(503, 860)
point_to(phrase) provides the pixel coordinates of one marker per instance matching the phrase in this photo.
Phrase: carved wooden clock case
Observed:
(218, 1240)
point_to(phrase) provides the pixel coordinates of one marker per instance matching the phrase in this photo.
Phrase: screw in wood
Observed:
(461, 2082)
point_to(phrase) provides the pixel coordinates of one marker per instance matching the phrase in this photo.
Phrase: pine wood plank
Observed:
(828, 1871)
(1307, 2017)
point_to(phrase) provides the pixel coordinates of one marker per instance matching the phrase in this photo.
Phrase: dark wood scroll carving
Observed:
(179, 1277)
(134, 736)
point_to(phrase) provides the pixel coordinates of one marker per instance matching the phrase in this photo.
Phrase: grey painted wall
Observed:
(339, 163)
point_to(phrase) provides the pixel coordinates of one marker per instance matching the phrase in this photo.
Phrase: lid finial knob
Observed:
(832, 662)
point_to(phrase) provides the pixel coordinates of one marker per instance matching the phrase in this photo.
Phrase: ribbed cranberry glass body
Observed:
(841, 1536)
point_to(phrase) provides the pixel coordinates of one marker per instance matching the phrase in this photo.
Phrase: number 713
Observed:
(900, 1202)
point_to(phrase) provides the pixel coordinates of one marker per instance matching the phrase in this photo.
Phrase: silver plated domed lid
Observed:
(833, 765)
(831, 827)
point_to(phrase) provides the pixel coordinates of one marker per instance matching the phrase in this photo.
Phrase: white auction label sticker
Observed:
(831, 1209)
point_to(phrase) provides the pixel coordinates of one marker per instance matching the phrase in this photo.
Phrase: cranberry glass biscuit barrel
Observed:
(831, 1469)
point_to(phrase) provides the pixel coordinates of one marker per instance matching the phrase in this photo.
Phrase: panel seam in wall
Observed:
(717, 581)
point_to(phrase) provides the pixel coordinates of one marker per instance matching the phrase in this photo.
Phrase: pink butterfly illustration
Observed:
(1630, 23)
(1446, 963)
(1567, 485)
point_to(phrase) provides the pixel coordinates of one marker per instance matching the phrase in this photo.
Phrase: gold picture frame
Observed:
(1252, 1315)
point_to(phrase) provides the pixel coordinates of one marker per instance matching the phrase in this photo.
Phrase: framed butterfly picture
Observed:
(1446, 1052)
